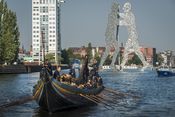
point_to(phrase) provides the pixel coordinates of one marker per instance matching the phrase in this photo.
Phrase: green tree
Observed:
(97, 57)
(108, 60)
(50, 57)
(9, 34)
(70, 53)
(135, 60)
(1, 30)
(59, 59)
(119, 58)
(159, 58)
(89, 51)
(65, 56)
(72, 56)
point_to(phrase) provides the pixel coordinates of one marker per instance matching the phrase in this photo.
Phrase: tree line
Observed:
(9, 34)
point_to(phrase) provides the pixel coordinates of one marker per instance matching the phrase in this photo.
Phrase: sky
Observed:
(84, 21)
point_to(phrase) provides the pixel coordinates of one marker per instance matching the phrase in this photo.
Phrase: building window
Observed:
(44, 18)
(44, 9)
(52, 9)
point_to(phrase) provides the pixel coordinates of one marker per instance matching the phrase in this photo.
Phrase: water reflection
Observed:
(148, 95)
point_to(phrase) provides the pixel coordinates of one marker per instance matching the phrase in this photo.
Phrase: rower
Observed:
(49, 67)
(56, 74)
(72, 71)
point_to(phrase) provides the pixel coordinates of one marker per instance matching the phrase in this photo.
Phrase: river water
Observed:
(155, 96)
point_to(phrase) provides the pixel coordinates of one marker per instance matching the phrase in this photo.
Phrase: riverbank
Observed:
(12, 69)
(18, 69)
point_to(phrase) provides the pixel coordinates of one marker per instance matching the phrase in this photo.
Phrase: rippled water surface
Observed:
(150, 96)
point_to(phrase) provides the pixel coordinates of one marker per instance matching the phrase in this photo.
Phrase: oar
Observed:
(120, 93)
(19, 101)
(24, 99)
(98, 102)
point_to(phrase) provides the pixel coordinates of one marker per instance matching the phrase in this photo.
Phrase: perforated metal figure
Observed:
(110, 35)
(132, 45)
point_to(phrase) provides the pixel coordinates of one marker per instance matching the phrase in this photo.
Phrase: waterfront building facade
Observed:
(149, 53)
(46, 36)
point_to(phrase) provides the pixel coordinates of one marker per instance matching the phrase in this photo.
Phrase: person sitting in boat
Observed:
(66, 78)
(84, 70)
(99, 81)
(72, 71)
(56, 74)
(94, 70)
(49, 67)
(88, 85)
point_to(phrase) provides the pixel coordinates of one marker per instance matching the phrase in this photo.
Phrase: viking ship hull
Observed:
(54, 95)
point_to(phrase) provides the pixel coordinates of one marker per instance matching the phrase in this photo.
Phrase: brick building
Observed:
(149, 53)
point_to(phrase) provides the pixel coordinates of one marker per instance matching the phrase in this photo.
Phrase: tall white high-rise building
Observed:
(45, 28)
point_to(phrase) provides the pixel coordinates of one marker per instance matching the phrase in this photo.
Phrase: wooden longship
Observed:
(53, 95)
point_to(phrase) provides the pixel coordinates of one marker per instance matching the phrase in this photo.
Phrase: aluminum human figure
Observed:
(132, 45)
(110, 35)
